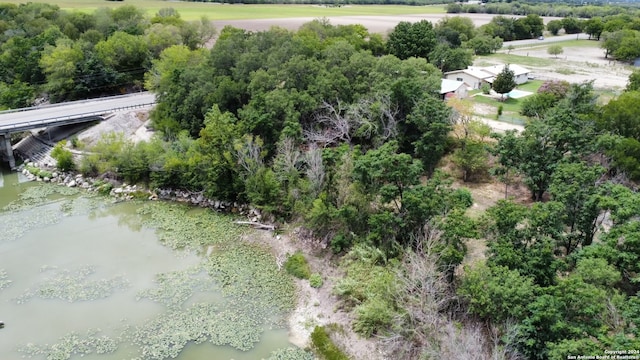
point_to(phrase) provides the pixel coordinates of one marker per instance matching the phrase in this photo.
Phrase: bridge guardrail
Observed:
(37, 123)
(47, 106)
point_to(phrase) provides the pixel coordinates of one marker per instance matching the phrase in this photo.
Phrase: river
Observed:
(81, 277)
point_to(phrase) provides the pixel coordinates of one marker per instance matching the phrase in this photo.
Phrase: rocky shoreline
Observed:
(124, 192)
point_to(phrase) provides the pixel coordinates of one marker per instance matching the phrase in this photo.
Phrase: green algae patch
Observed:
(246, 292)
(73, 344)
(38, 195)
(181, 228)
(74, 285)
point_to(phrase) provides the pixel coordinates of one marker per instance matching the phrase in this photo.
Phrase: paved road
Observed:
(52, 114)
(546, 40)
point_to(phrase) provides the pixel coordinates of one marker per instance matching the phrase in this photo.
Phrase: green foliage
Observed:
(485, 88)
(412, 39)
(555, 50)
(497, 293)
(554, 26)
(537, 105)
(634, 81)
(290, 353)
(63, 157)
(315, 280)
(372, 317)
(618, 116)
(297, 266)
(324, 347)
(504, 81)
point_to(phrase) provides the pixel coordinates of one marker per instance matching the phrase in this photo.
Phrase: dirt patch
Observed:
(579, 64)
(134, 125)
(375, 24)
(316, 307)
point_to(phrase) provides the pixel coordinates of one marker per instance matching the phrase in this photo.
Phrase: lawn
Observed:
(217, 11)
(511, 107)
(518, 59)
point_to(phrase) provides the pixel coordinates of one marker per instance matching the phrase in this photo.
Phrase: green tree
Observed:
(125, 53)
(497, 293)
(455, 30)
(619, 116)
(504, 81)
(594, 27)
(412, 39)
(448, 59)
(555, 50)
(431, 124)
(59, 63)
(484, 44)
(554, 26)
(634, 81)
(571, 25)
(16, 95)
(575, 186)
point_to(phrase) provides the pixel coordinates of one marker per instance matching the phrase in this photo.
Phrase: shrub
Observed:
(500, 110)
(315, 280)
(324, 347)
(485, 88)
(63, 157)
(372, 317)
(297, 266)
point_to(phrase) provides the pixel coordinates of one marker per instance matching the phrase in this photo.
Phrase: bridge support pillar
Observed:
(5, 147)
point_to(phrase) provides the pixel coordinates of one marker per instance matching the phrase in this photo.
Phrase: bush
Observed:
(63, 157)
(297, 266)
(324, 347)
(372, 317)
(500, 110)
(485, 88)
(315, 280)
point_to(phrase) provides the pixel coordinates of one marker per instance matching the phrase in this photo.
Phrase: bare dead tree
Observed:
(331, 124)
(288, 156)
(315, 168)
(423, 293)
(249, 154)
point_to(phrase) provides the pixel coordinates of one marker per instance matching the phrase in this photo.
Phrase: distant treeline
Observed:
(542, 9)
(337, 3)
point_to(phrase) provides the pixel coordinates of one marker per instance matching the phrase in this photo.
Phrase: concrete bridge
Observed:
(68, 113)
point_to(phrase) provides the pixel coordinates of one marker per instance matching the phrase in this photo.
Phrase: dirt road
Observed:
(375, 24)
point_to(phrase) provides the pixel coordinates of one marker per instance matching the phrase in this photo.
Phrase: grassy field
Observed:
(195, 10)
(518, 59)
(511, 107)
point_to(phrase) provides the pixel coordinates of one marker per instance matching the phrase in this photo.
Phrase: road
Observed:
(45, 115)
(546, 40)
(374, 24)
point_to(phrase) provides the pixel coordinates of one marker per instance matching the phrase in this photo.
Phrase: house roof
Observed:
(447, 86)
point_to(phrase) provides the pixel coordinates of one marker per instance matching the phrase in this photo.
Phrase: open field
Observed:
(217, 11)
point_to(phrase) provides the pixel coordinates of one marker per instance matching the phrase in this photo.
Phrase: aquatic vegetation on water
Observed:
(230, 298)
(38, 195)
(291, 353)
(165, 337)
(4, 279)
(175, 288)
(74, 286)
(181, 230)
(72, 344)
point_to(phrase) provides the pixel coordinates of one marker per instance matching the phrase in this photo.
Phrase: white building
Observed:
(452, 88)
(474, 77)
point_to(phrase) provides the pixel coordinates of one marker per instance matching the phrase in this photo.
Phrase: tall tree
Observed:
(504, 81)
(412, 40)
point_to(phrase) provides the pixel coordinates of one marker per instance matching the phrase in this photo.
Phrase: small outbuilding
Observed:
(449, 88)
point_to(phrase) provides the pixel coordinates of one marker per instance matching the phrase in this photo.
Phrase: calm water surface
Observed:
(108, 243)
